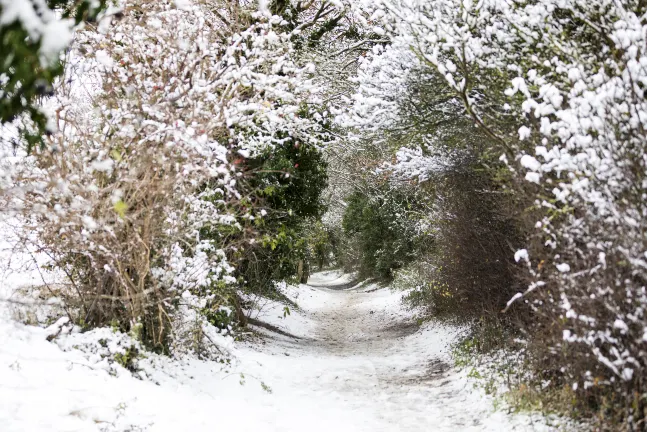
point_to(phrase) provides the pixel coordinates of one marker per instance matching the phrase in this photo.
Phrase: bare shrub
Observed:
(115, 238)
(137, 198)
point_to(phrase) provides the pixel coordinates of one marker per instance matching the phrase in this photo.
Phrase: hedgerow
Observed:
(527, 118)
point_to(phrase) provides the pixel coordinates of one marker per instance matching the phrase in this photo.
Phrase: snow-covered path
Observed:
(358, 363)
(388, 374)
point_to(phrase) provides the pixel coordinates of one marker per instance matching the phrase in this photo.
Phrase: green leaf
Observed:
(116, 155)
(120, 207)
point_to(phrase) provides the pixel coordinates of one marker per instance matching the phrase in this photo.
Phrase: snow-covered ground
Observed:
(358, 362)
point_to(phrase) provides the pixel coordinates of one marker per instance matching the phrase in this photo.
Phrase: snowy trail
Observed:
(391, 374)
(360, 363)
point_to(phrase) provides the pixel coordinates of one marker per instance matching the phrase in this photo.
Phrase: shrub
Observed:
(285, 185)
(322, 244)
(32, 37)
(384, 234)
(468, 214)
(143, 199)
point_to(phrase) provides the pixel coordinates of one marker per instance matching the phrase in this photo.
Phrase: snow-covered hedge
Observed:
(138, 197)
(557, 88)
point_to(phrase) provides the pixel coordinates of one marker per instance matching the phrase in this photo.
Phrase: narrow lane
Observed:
(366, 350)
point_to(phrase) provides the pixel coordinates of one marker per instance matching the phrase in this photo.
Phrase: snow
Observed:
(530, 162)
(620, 325)
(57, 34)
(183, 4)
(103, 165)
(514, 298)
(521, 254)
(104, 58)
(330, 278)
(524, 132)
(533, 177)
(358, 363)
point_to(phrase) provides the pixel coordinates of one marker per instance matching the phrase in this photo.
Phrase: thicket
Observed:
(323, 245)
(184, 172)
(285, 184)
(379, 235)
(445, 218)
(524, 123)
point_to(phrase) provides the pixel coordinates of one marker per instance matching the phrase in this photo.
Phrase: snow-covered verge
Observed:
(357, 362)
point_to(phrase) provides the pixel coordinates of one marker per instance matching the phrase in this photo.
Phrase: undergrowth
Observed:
(506, 376)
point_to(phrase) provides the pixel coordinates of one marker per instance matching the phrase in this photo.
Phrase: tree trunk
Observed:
(240, 314)
(305, 273)
(300, 271)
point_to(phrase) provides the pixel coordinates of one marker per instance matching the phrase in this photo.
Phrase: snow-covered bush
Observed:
(33, 34)
(410, 110)
(142, 198)
(556, 91)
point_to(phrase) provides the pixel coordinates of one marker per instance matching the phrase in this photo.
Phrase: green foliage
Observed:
(285, 186)
(322, 243)
(25, 77)
(383, 230)
(219, 317)
(128, 359)
(290, 179)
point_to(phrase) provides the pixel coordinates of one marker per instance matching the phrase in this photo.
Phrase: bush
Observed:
(322, 244)
(379, 225)
(467, 220)
(285, 185)
(31, 49)
(147, 200)
(474, 238)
